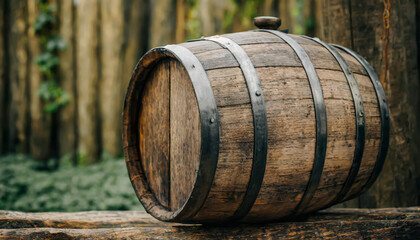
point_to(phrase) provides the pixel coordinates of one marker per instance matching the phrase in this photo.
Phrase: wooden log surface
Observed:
(359, 25)
(391, 223)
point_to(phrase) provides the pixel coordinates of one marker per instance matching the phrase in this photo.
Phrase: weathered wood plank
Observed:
(18, 137)
(87, 80)
(111, 29)
(185, 135)
(41, 122)
(136, 13)
(236, 143)
(162, 22)
(359, 25)
(3, 78)
(291, 125)
(67, 77)
(327, 224)
(154, 129)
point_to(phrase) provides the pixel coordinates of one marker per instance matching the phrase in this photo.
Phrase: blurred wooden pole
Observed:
(319, 19)
(67, 79)
(111, 62)
(212, 16)
(180, 30)
(285, 14)
(337, 22)
(18, 76)
(135, 44)
(3, 78)
(87, 60)
(359, 25)
(40, 125)
(268, 8)
(162, 22)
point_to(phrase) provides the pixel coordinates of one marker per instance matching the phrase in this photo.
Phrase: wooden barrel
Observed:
(252, 126)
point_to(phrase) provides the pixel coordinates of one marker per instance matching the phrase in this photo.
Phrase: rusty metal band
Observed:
(321, 120)
(360, 121)
(209, 130)
(383, 108)
(260, 124)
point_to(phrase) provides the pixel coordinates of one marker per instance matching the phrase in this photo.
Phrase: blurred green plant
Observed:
(48, 60)
(26, 185)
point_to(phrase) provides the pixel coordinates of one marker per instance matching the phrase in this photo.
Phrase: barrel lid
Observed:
(169, 133)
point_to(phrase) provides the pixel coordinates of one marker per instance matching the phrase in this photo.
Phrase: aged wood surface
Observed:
(3, 79)
(359, 25)
(185, 135)
(327, 224)
(40, 146)
(87, 80)
(135, 43)
(67, 132)
(170, 135)
(164, 19)
(291, 127)
(287, 93)
(94, 71)
(18, 118)
(154, 128)
(112, 28)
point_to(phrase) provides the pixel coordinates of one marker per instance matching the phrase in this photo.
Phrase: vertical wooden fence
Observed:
(105, 39)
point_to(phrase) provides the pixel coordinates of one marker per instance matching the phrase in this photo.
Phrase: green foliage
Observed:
(26, 185)
(46, 16)
(54, 95)
(56, 43)
(48, 61)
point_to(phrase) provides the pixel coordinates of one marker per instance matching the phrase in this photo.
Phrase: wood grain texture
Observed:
(87, 60)
(112, 27)
(40, 127)
(185, 135)
(236, 144)
(373, 133)
(67, 116)
(359, 25)
(291, 126)
(18, 136)
(181, 18)
(135, 44)
(212, 21)
(154, 132)
(163, 18)
(4, 81)
(327, 224)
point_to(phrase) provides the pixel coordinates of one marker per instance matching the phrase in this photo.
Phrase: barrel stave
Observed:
(373, 132)
(185, 135)
(291, 125)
